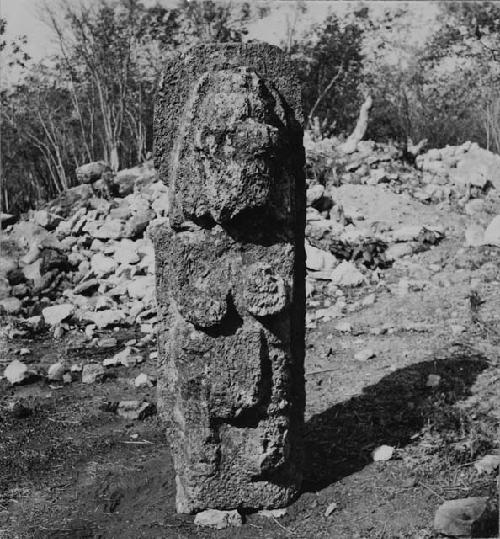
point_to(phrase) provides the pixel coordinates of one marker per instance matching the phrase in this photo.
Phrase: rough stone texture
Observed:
(231, 276)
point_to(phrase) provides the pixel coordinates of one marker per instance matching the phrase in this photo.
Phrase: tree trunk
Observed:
(357, 135)
(114, 158)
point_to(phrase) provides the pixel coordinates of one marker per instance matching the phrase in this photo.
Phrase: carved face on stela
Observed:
(232, 150)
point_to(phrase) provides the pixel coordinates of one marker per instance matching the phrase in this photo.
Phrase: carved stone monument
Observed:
(231, 276)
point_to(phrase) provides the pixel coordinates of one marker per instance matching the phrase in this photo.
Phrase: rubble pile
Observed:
(85, 260)
(467, 169)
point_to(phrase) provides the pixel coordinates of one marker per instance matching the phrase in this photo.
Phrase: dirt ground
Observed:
(70, 468)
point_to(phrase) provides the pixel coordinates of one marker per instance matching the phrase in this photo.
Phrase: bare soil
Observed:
(69, 468)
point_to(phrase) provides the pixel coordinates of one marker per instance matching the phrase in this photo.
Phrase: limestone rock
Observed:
(492, 232)
(57, 313)
(128, 357)
(92, 372)
(474, 236)
(7, 219)
(56, 372)
(488, 464)
(4, 288)
(106, 318)
(383, 453)
(16, 372)
(319, 260)
(125, 180)
(433, 380)
(142, 288)
(273, 513)
(135, 409)
(462, 517)
(213, 518)
(347, 274)
(407, 233)
(52, 259)
(102, 265)
(144, 380)
(314, 193)
(476, 206)
(10, 305)
(137, 224)
(46, 219)
(86, 288)
(91, 172)
(344, 327)
(398, 250)
(110, 229)
(125, 252)
(365, 354)
(477, 168)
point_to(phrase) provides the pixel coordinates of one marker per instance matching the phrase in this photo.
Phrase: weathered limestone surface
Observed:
(231, 276)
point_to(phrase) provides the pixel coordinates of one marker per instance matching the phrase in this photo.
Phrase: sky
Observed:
(23, 18)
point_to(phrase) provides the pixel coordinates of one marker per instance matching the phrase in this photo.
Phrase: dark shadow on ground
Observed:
(339, 441)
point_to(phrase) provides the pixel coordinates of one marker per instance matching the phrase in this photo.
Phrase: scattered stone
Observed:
(91, 172)
(347, 274)
(383, 453)
(314, 193)
(319, 260)
(433, 380)
(142, 288)
(18, 409)
(330, 509)
(135, 409)
(102, 265)
(492, 233)
(107, 342)
(128, 357)
(475, 206)
(213, 518)
(462, 517)
(58, 313)
(10, 305)
(273, 513)
(34, 322)
(365, 354)
(92, 372)
(407, 233)
(474, 236)
(87, 288)
(369, 300)
(58, 332)
(104, 319)
(144, 380)
(398, 250)
(344, 327)
(457, 329)
(56, 372)
(488, 464)
(16, 372)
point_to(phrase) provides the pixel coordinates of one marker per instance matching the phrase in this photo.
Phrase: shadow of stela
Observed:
(339, 441)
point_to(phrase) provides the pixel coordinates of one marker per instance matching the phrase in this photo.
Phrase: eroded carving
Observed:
(230, 271)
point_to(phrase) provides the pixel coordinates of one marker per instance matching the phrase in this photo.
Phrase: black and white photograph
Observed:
(249, 269)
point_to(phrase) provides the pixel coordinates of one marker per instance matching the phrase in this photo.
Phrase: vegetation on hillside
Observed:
(93, 99)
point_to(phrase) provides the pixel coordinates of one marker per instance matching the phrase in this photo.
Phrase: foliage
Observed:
(329, 65)
(444, 89)
(94, 99)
